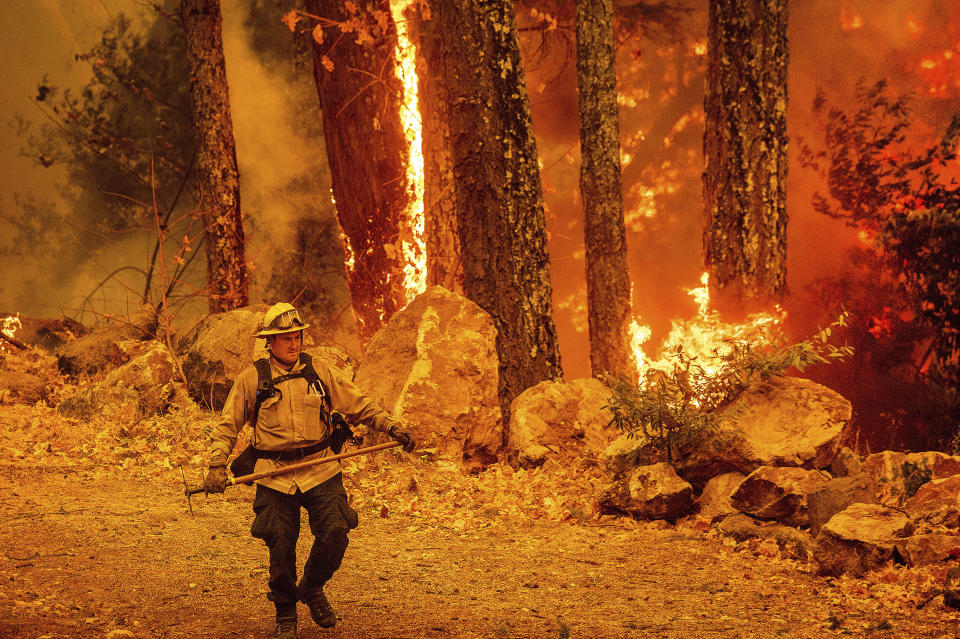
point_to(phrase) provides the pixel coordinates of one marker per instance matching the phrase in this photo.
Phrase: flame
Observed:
(9, 326)
(705, 337)
(850, 21)
(412, 246)
(350, 263)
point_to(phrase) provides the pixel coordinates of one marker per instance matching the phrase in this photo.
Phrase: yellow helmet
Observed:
(281, 318)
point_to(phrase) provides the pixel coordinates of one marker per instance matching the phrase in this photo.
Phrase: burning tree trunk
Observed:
(361, 99)
(440, 213)
(218, 180)
(608, 279)
(744, 146)
(500, 215)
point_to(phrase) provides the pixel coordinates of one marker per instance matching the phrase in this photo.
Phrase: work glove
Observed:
(403, 437)
(216, 481)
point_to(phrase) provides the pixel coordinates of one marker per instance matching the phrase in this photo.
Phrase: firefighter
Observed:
(288, 399)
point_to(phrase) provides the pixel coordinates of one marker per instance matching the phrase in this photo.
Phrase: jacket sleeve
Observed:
(237, 411)
(346, 398)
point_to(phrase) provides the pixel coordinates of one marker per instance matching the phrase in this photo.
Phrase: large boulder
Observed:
(835, 496)
(898, 476)
(113, 344)
(779, 421)
(715, 499)
(778, 493)
(152, 375)
(216, 350)
(649, 492)
(929, 548)
(860, 538)
(435, 365)
(556, 415)
(937, 503)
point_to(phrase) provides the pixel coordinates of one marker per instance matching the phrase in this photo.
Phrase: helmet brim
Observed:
(279, 331)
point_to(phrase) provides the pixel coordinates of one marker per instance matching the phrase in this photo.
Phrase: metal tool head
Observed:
(186, 490)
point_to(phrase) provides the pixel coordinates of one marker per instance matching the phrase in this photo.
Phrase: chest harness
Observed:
(266, 388)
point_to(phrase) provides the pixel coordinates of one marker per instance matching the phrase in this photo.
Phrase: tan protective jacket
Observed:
(292, 419)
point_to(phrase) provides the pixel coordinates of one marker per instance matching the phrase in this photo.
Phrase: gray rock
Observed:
(937, 503)
(897, 476)
(625, 453)
(929, 548)
(846, 464)
(216, 350)
(860, 538)
(777, 493)
(435, 365)
(557, 415)
(715, 498)
(835, 496)
(103, 348)
(780, 421)
(649, 492)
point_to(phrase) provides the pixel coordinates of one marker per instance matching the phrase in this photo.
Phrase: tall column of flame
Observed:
(412, 246)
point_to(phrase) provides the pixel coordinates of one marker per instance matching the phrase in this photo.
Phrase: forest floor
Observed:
(96, 540)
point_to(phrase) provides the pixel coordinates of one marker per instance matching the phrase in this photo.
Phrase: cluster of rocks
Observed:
(775, 468)
(845, 513)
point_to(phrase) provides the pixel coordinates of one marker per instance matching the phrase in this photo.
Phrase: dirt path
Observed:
(112, 557)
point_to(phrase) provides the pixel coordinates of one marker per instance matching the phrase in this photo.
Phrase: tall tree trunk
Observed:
(439, 198)
(608, 277)
(218, 180)
(500, 217)
(360, 97)
(745, 149)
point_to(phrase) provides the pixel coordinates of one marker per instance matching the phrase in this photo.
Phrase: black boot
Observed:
(286, 627)
(320, 609)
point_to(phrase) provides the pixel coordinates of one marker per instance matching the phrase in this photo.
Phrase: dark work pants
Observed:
(277, 523)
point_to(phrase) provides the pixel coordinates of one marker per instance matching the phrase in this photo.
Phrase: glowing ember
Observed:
(850, 22)
(350, 263)
(412, 248)
(705, 337)
(9, 326)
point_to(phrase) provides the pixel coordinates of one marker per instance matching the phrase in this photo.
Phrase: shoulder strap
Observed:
(310, 374)
(265, 388)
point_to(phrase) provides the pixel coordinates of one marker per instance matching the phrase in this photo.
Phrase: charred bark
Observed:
(608, 277)
(745, 149)
(439, 200)
(218, 180)
(500, 216)
(360, 97)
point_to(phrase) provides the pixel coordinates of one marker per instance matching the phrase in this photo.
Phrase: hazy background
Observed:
(914, 44)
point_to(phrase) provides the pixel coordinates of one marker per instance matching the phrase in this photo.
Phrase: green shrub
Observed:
(674, 411)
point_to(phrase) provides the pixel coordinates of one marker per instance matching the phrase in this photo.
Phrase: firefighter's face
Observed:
(286, 346)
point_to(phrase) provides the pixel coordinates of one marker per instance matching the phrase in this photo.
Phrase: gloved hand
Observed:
(216, 481)
(403, 437)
